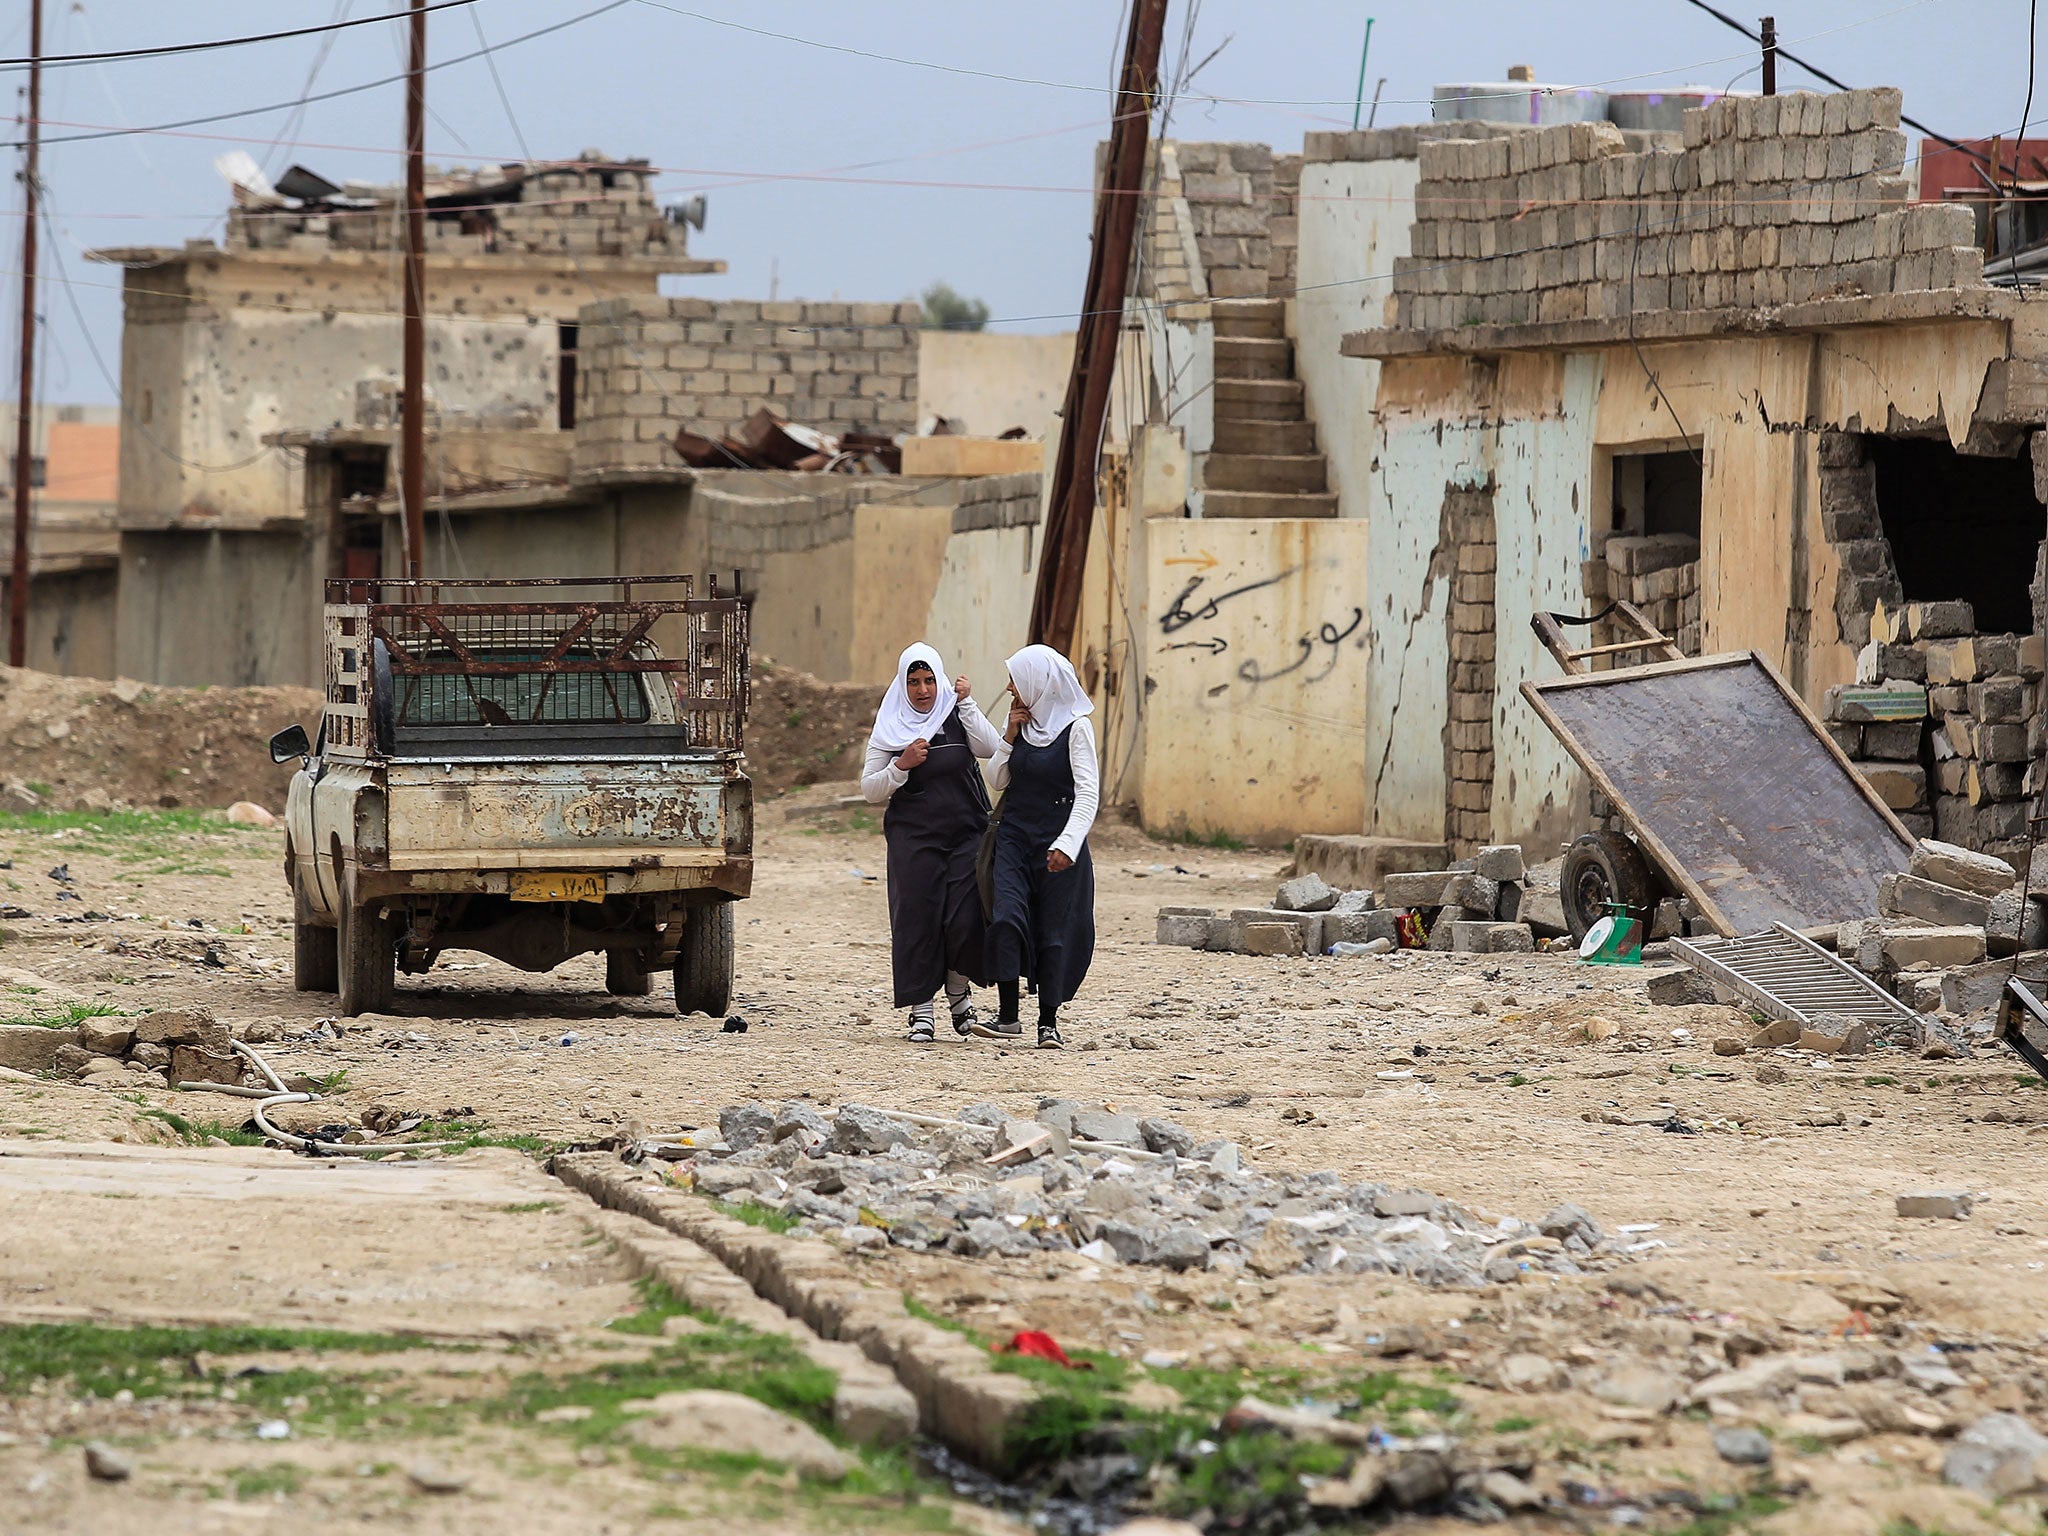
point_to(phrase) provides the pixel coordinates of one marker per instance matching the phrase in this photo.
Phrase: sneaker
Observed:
(921, 1030)
(1050, 1039)
(964, 1022)
(1000, 1029)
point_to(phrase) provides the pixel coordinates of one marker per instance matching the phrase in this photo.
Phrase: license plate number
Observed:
(556, 887)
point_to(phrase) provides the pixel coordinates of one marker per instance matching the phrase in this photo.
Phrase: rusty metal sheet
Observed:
(615, 813)
(1733, 788)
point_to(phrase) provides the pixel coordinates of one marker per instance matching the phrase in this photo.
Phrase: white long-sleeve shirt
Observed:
(1087, 784)
(880, 777)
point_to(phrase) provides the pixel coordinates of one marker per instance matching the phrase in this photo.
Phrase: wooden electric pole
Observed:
(412, 473)
(1768, 27)
(1070, 510)
(25, 401)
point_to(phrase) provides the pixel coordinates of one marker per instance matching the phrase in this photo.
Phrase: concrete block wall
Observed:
(1848, 510)
(1659, 575)
(1283, 227)
(1468, 731)
(1171, 271)
(592, 210)
(1228, 189)
(648, 366)
(1770, 200)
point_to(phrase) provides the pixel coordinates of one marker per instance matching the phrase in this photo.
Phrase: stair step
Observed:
(1240, 435)
(1254, 357)
(1293, 473)
(1267, 504)
(1260, 399)
(1251, 317)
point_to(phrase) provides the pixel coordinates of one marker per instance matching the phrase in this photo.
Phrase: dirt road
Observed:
(1761, 1211)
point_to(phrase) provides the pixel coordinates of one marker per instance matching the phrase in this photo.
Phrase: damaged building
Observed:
(1724, 365)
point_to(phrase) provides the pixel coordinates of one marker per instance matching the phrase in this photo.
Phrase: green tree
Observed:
(945, 310)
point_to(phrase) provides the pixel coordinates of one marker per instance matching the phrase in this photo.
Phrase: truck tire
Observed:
(704, 961)
(369, 961)
(623, 976)
(316, 957)
(1602, 867)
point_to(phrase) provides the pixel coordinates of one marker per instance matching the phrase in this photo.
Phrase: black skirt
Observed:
(1043, 927)
(933, 829)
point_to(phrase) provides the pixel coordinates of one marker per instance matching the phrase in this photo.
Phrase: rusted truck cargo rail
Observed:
(532, 769)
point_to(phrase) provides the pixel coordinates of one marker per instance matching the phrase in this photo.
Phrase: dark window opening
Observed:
(360, 474)
(565, 383)
(1960, 526)
(362, 546)
(1656, 493)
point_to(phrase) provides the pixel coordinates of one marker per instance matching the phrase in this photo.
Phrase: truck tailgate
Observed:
(638, 813)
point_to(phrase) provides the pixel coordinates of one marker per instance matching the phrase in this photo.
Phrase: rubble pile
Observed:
(1948, 929)
(1658, 574)
(1930, 690)
(157, 1050)
(1117, 1187)
(1491, 903)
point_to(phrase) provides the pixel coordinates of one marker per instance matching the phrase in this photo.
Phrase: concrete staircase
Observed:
(1264, 461)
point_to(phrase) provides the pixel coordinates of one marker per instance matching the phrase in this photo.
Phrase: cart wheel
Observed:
(1602, 867)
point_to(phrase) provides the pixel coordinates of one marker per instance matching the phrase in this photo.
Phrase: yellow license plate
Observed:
(557, 887)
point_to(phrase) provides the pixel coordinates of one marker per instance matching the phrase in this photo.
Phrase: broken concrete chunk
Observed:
(1679, 988)
(195, 1064)
(1352, 903)
(1542, 911)
(1271, 939)
(1417, 890)
(1305, 893)
(1998, 1456)
(1960, 868)
(1902, 786)
(1935, 1204)
(1102, 1125)
(1307, 925)
(1164, 1136)
(1938, 621)
(1938, 947)
(1930, 902)
(1473, 938)
(1501, 862)
(1359, 927)
(1568, 1220)
(744, 1125)
(1474, 893)
(1186, 928)
(858, 1129)
(182, 1026)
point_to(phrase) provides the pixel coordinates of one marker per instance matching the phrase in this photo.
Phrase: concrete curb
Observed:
(960, 1399)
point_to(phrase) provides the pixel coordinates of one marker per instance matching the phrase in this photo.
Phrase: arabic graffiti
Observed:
(1179, 616)
(1326, 634)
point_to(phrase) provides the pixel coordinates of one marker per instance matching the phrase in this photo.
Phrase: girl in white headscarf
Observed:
(922, 762)
(1042, 925)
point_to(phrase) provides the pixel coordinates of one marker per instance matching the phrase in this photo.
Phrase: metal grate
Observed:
(1790, 976)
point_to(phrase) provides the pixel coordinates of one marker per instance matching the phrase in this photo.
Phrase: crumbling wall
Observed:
(1470, 546)
(1283, 227)
(647, 367)
(1772, 200)
(1229, 193)
(1848, 510)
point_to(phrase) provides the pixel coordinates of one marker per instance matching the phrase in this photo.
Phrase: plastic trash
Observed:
(1369, 947)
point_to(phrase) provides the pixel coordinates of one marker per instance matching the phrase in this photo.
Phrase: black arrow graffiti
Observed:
(1215, 645)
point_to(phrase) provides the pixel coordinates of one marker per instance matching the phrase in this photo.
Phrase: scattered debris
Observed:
(768, 441)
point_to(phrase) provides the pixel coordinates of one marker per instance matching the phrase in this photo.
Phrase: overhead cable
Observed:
(58, 60)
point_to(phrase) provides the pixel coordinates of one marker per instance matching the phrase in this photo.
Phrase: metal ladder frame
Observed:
(1805, 953)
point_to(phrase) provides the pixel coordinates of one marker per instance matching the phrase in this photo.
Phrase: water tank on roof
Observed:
(1518, 101)
(1661, 111)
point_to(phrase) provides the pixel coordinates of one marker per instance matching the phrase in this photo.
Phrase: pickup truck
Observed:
(528, 769)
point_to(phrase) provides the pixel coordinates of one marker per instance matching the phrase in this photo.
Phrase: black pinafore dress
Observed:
(933, 828)
(1043, 928)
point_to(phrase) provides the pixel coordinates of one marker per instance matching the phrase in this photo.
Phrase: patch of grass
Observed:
(98, 1361)
(1880, 1081)
(1246, 1475)
(530, 1207)
(1189, 838)
(170, 842)
(756, 1215)
(195, 1132)
(332, 1082)
(273, 1478)
(1727, 1513)
(863, 821)
(1513, 1424)
(923, 1313)
(70, 1016)
(467, 1135)
(657, 1305)
(38, 788)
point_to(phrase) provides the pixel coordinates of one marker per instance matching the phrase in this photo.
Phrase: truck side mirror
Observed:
(290, 743)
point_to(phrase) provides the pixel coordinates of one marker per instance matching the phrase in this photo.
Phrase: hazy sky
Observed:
(739, 115)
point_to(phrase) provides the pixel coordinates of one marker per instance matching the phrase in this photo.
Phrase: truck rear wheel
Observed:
(316, 959)
(704, 961)
(369, 961)
(623, 976)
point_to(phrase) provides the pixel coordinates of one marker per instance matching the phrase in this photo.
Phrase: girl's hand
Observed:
(960, 688)
(1056, 861)
(913, 755)
(1019, 718)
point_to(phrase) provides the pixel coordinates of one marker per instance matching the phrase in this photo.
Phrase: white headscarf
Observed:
(1046, 685)
(897, 724)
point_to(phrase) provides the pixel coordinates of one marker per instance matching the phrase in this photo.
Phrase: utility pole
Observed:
(1070, 510)
(1768, 28)
(412, 460)
(25, 402)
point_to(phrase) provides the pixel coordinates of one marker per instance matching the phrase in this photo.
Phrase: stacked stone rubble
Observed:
(1468, 728)
(1283, 228)
(1229, 194)
(1770, 201)
(648, 366)
(1659, 575)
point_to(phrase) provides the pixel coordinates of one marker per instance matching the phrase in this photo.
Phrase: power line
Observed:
(346, 90)
(1236, 101)
(53, 60)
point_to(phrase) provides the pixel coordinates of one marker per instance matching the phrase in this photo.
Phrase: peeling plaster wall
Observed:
(1255, 676)
(1354, 217)
(1527, 430)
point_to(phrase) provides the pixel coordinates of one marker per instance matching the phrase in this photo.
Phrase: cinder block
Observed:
(1491, 938)
(1940, 905)
(1270, 939)
(1187, 927)
(1937, 947)
(1417, 889)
